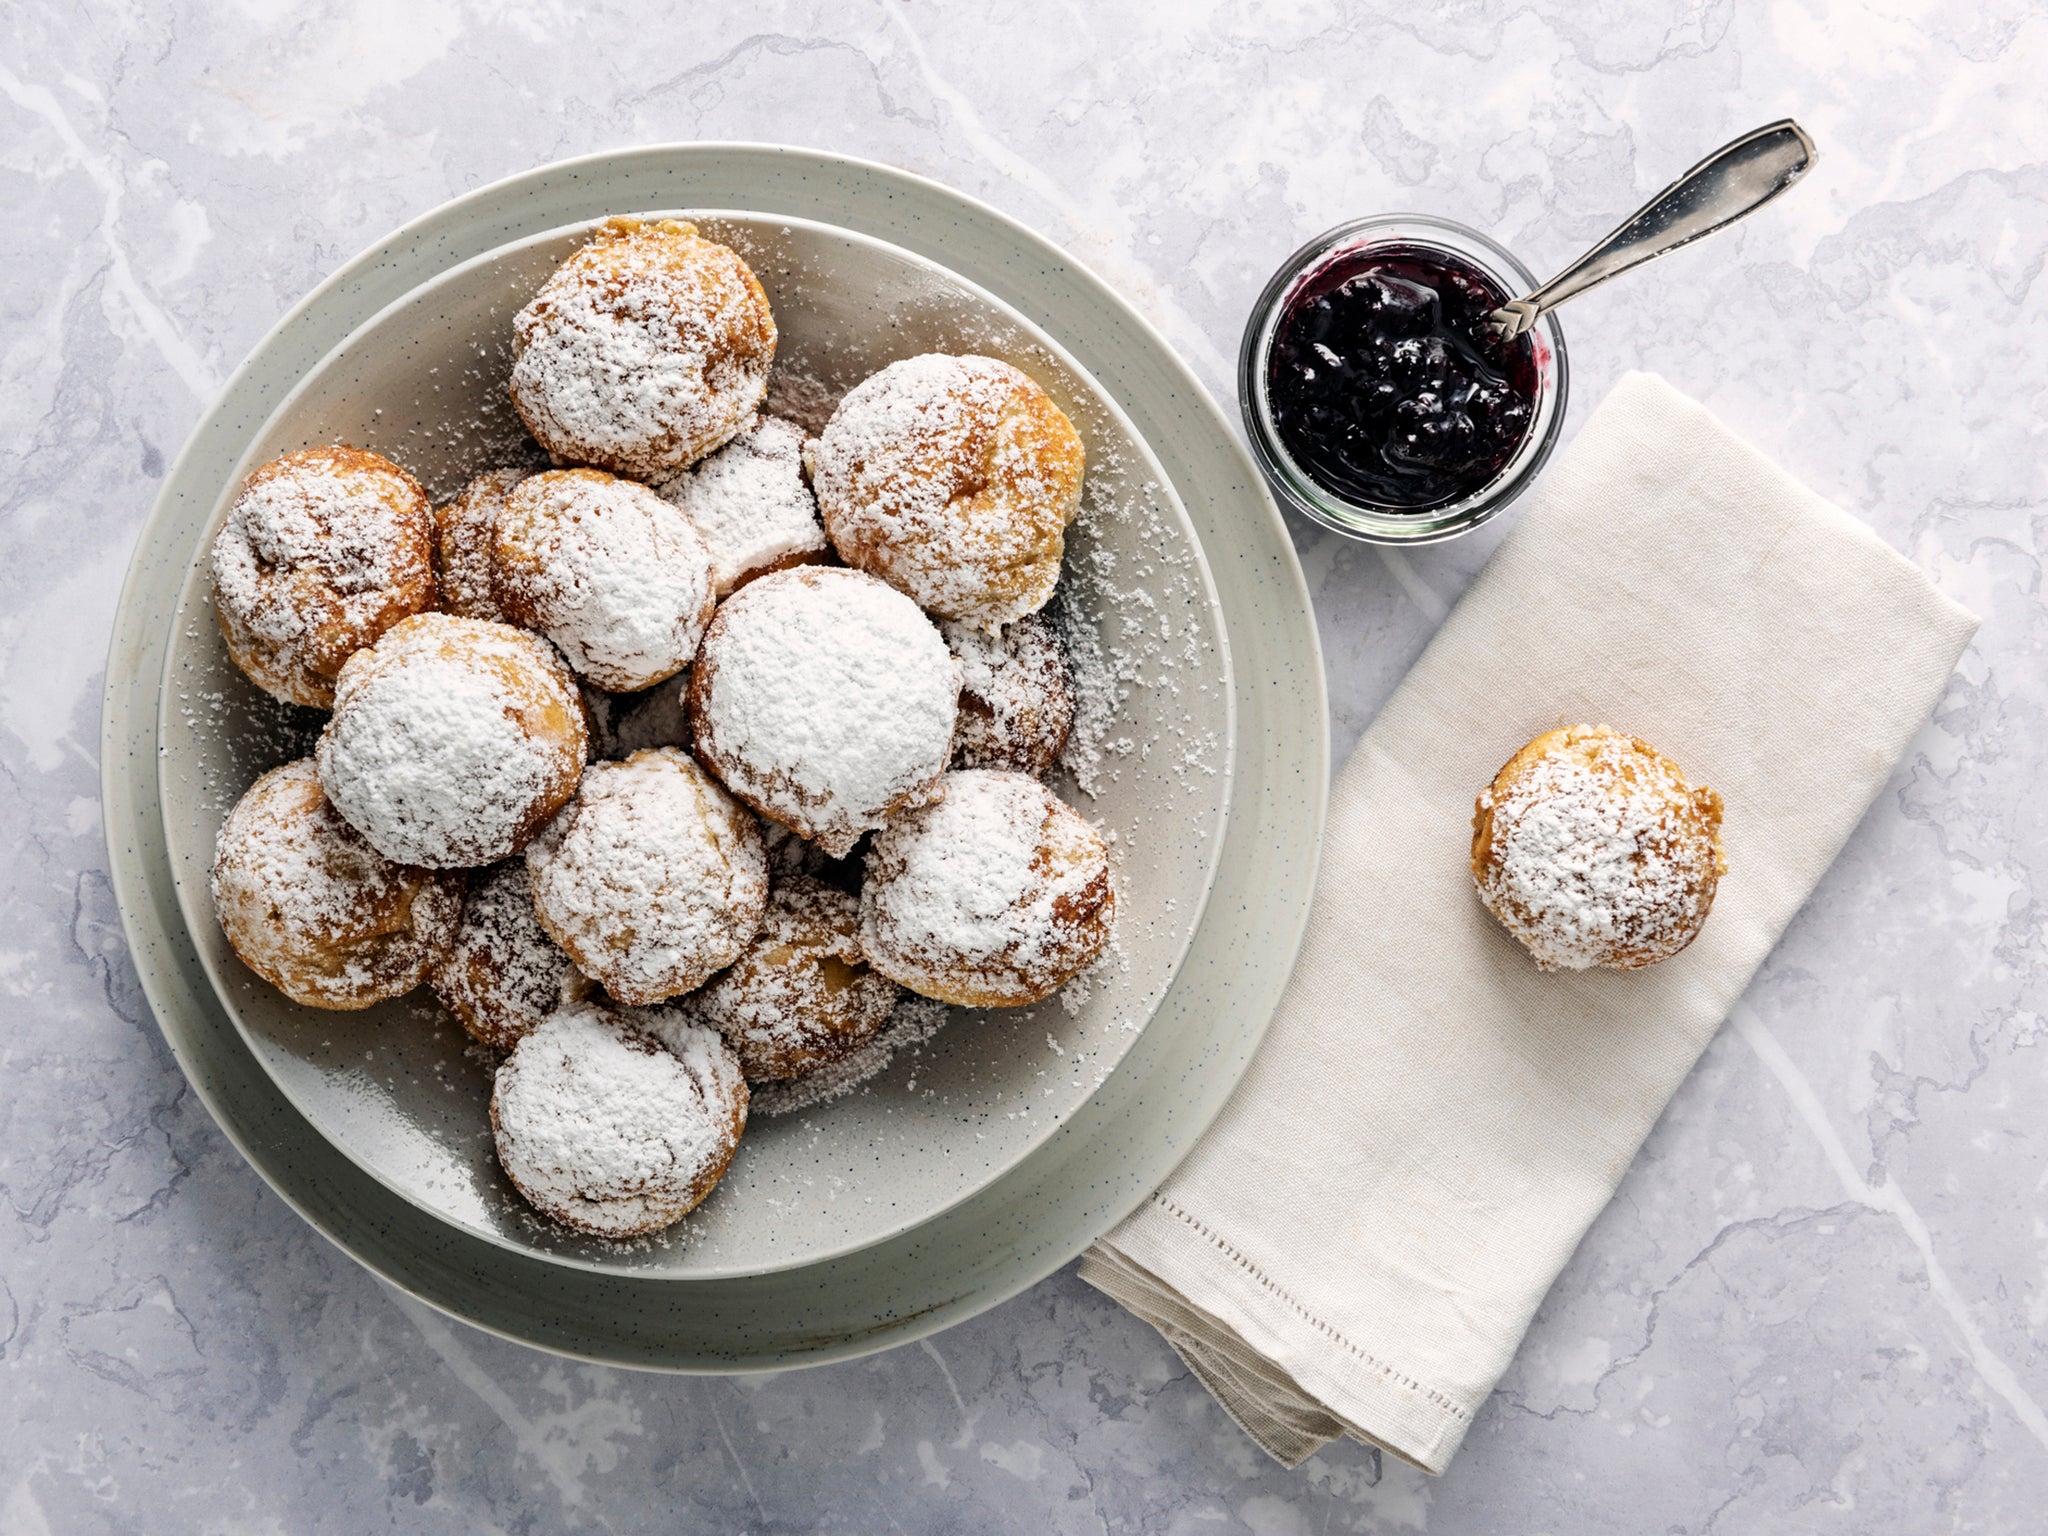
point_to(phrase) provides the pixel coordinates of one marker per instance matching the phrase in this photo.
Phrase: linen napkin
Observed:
(1359, 1242)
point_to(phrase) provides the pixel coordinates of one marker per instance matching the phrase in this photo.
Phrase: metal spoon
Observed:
(1735, 180)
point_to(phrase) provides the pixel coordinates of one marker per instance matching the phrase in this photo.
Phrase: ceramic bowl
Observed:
(1106, 1157)
(397, 1088)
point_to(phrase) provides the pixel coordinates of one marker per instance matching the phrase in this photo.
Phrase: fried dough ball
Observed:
(453, 740)
(752, 504)
(322, 552)
(644, 351)
(1593, 850)
(652, 878)
(607, 570)
(464, 531)
(953, 479)
(995, 897)
(502, 974)
(825, 700)
(1016, 696)
(803, 995)
(610, 1131)
(313, 909)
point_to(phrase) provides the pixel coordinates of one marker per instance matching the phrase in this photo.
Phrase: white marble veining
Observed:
(1814, 1305)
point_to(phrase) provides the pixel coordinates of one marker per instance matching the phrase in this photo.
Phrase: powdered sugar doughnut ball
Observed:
(652, 878)
(995, 897)
(502, 974)
(825, 700)
(1593, 850)
(464, 532)
(607, 570)
(610, 1131)
(452, 740)
(803, 995)
(643, 352)
(313, 909)
(1016, 696)
(752, 505)
(321, 553)
(952, 479)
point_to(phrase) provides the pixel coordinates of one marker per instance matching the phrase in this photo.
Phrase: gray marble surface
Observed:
(1814, 1305)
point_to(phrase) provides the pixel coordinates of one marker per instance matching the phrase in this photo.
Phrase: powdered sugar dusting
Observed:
(607, 570)
(914, 1021)
(313, 908)
(802, 996)
(320, 552)
(1131, 623)
(610, 1131)
(451, 739)
(750, 502)
(1132, 606)
(1016, 698)
(464, 530)
(825, 699)
(1598, 853)
(503, 974)
(953, 478)
(894, 436)
(997, 894)
(652, 879)
(644, 351)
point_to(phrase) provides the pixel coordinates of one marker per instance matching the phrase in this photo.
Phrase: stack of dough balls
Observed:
(1593, 850)
(572, 708)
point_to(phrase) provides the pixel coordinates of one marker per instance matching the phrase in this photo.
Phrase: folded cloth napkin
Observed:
(1359, 1242)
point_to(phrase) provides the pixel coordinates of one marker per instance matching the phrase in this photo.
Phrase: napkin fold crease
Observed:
(1360, 1241)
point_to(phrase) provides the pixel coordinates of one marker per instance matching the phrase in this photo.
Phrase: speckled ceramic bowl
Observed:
(1114, 1143)
(395, 1087)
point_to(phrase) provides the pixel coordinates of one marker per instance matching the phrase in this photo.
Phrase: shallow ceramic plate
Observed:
(394, 1087)
(1111, 1151)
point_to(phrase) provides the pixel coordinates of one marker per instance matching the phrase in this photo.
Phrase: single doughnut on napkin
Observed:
(1360, 1240)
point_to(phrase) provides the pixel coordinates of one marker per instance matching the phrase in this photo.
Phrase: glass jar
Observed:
(1380, 524)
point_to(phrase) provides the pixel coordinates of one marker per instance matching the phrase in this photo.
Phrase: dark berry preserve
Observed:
(1385, 384)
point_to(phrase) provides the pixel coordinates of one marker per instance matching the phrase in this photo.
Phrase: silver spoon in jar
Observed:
(1735, 180)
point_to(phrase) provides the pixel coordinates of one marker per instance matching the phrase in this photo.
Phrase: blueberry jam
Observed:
(1385, 384)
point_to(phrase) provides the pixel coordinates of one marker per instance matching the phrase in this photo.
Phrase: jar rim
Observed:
(1359, 520)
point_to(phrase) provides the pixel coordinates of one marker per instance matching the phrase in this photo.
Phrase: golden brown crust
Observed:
(1592, 849)
(312, 908)
(786, 563)
(1016, 696)
(803, 995)
(602, 1148)
(611, 573)
(653, 879)
(502, 974)
(751, 500)
(453, 741)
(322, 551)
(464, 533)
(996, 897)
(697, 1192)
(953, 479)
(835, 841)
(679, 323)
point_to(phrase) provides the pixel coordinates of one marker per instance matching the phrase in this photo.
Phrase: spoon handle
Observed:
(1734, 180)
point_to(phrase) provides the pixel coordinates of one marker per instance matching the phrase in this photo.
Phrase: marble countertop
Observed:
(1816, 1303)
